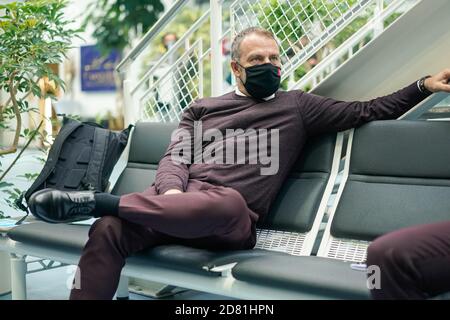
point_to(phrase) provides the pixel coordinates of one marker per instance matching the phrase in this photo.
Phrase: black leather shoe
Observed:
(56, 206)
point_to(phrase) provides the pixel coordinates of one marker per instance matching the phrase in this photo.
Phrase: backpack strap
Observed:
(69, 127)
(93, 178)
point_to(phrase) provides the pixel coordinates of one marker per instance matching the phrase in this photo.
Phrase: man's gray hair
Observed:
(235, 46)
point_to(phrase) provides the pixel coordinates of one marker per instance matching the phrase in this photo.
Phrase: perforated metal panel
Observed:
(348, 250)
(282, 241)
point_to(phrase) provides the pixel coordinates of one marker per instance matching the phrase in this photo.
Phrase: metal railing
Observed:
(151, 34)
(166, 58)
(177, 87)
(344, 52)
(167, 88)
(303, 27)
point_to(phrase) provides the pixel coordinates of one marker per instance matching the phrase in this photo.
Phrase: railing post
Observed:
(216, 48)
(18, 277)
(122, 289)
(379, 22)
(131, 109)
(5, 267)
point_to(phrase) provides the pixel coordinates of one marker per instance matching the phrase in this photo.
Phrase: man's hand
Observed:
(172, 191)
(439, 82)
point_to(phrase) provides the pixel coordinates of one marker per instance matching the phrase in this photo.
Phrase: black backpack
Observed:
(82, 157)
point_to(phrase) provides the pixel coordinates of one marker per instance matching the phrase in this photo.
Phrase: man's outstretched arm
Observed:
(172, 176)
(322, 114)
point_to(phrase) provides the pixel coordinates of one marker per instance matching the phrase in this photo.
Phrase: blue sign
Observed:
(97, 71)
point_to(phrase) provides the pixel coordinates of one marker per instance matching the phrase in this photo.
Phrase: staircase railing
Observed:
(302, 27)
(187, 71)
(373, 28)
(181, 84)
(151, 34)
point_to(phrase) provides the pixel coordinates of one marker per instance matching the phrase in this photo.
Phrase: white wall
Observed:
(86, 104)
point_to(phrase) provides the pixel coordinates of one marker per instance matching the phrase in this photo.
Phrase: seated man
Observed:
(414, 262)
(216, 204)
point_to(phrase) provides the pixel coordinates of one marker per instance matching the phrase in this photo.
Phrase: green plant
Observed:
(118, 22)
(33, 34)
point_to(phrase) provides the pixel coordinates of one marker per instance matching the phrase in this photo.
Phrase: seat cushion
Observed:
(200, 258)
(57, 236)
(178, 257)
(70, 237)
(73, 237)
(228, 257)
(330, 278)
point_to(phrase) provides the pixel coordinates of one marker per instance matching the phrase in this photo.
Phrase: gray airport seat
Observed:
(298, 208)
(398, 176)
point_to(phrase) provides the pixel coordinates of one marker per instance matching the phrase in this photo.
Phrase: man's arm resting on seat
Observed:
(322, 114)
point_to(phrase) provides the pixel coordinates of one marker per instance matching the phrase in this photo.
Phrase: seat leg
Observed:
(18, 277)
(122, 290)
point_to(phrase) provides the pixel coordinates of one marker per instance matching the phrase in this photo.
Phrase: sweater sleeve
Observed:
(173, 169)
(322, 114)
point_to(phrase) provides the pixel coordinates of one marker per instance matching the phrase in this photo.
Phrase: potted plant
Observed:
(33, 35)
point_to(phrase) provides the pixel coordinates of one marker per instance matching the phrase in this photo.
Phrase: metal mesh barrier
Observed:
(173, 87)
(301, 26)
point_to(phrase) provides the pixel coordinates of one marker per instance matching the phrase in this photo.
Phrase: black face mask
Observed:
(262, 80)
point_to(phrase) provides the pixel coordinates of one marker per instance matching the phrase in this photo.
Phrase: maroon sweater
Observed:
(297, 115)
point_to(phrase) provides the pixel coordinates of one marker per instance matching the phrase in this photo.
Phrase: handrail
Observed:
(173, 49)
(349, 43)
(424, 106)
(331, 31)
(196, 45)
(154, 31)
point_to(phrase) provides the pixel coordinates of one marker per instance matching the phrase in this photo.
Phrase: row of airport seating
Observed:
(396, 174)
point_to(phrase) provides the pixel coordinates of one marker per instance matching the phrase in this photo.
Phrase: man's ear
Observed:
(235, 68)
